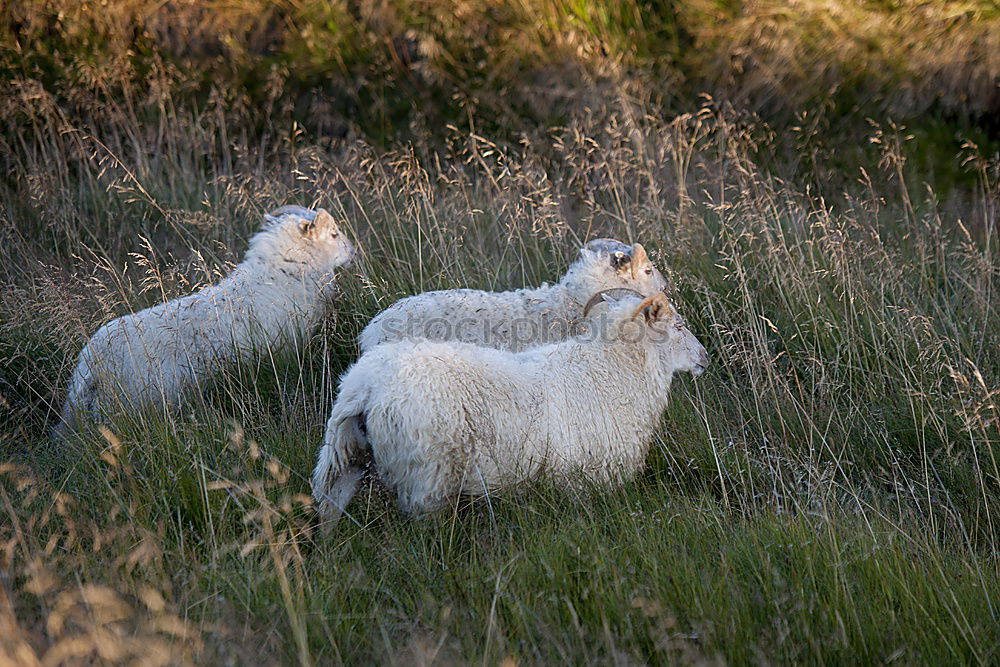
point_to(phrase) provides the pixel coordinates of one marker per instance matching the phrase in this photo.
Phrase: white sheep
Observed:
(442, 419)
(518, 319)
(276, 295)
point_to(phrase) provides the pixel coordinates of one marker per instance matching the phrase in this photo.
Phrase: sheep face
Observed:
(609, 264)
(656, 322)
(312, 238)
(677, 348)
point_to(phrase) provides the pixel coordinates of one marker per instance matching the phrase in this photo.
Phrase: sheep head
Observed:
(311, 238)
(654, 325)
(609, 264)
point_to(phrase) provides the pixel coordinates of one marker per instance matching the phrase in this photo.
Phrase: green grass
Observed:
(653, 572)
(828, 492)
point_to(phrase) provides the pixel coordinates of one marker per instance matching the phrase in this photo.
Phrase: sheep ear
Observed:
(639, 260)
(323, 218)
(639, 255)
(659, 311)
(655, 308)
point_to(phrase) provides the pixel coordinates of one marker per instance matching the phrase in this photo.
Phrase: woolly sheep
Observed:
(442, 419)
(518, 319)
(276, 295)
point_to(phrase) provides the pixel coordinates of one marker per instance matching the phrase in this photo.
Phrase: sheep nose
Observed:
(702, 362)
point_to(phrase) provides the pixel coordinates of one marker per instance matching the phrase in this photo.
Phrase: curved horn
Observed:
(658, 297)
(597, 298)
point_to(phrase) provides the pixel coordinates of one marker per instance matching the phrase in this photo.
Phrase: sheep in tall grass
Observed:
(442, 419)
(518, 319)
(275, 296)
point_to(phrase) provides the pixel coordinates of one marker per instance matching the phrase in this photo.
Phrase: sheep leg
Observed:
(341, 492)
(336, 477)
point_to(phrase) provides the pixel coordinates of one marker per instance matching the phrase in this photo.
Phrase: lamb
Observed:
(438, 420)
(518, 319)
(275, 296)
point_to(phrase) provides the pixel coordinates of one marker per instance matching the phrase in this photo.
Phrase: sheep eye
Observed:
(649, 271)
(335, 233)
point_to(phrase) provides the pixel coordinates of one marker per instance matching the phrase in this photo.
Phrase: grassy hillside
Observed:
(819, 180)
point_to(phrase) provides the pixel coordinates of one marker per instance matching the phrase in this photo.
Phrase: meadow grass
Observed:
(828, 492)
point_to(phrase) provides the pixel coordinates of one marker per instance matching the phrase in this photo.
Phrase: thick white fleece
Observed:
(442, 419)
(518, 319)
(275, 296)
